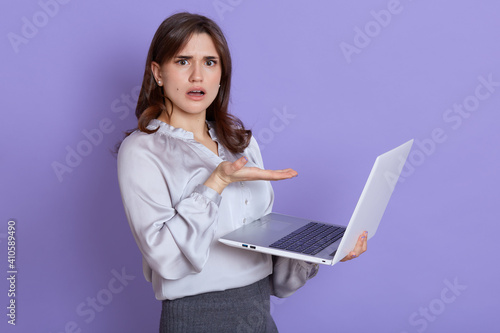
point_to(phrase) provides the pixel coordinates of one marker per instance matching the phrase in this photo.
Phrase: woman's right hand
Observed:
(227, 173)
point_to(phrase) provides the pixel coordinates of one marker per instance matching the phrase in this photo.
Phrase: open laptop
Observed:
(324, 243)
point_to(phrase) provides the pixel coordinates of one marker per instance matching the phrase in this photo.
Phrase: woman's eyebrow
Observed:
(188, 57)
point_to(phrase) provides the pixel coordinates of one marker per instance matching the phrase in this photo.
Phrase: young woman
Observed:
(191, 173)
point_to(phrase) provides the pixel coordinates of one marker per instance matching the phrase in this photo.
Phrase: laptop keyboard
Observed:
(310, 239)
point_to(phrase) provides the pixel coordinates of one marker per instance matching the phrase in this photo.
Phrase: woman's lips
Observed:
(196, 94)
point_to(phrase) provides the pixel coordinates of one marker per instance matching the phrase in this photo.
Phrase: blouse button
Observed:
(241, 183)
(244, 220)
(246, 201)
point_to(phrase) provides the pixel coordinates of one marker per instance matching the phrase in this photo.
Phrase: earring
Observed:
(159, 82)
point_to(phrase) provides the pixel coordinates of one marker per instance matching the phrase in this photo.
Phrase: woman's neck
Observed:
(194, 123)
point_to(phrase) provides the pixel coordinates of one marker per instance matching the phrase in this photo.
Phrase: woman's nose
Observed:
(196, 74)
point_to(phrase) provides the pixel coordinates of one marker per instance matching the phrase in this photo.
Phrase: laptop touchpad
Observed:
(275, 225)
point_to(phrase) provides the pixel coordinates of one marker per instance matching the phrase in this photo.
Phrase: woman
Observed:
(191, 173)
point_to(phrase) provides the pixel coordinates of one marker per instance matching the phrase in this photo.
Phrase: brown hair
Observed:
(170, 37)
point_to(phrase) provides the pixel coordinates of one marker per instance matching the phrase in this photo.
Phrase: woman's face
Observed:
(191, 79)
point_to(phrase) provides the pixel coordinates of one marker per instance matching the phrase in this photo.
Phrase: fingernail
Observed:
(246, 159)
(354, 256)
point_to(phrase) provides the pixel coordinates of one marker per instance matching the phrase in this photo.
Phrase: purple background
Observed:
(69, 75)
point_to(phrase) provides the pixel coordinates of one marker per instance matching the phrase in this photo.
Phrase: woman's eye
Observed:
(210, 63)
(182, 62)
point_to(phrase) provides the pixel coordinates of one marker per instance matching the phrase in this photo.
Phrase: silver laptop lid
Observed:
(374, 198)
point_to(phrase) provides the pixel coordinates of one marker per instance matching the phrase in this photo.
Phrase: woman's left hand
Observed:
(360, 247)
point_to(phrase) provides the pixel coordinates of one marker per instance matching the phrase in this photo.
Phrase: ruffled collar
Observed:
(179, 132)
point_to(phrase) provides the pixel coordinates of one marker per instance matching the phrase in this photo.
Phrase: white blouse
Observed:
(176, 220)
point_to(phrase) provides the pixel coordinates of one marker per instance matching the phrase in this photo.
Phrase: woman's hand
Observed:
(227, 173)
(360, 247)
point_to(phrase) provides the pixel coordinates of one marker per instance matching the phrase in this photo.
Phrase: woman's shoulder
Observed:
(161, 134)
(138, 145)
(253, 146)
(253, 153)
(133, 141)
(161, 143)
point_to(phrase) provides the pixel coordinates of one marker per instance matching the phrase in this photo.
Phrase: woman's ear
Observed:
(156, 70)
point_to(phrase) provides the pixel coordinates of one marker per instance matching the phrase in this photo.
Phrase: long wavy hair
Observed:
(171, 36)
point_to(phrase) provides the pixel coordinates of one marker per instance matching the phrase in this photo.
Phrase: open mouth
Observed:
(196, 93)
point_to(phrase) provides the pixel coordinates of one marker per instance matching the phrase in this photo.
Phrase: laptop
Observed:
(319, 242)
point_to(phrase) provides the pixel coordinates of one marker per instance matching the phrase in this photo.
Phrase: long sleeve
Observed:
(290, 274)
(174, 238)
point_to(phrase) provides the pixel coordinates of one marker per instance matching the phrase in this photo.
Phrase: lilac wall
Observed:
(326, 87)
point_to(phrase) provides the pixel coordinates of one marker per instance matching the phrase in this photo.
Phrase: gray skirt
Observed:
(239, 310)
